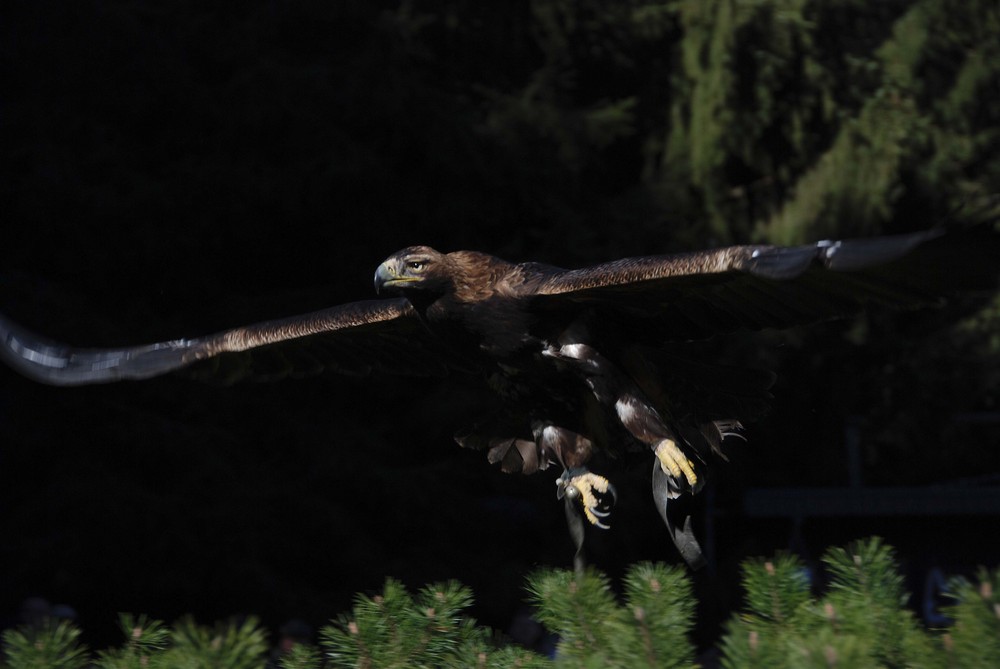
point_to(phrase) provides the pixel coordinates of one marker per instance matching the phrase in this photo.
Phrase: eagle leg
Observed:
(674, 472)
(578, 488)
(613, 388)
(594, 492)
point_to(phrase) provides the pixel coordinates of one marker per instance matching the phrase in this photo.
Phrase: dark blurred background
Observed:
(172, 169)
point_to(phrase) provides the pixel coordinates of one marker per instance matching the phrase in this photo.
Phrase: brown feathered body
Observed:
(485, 309)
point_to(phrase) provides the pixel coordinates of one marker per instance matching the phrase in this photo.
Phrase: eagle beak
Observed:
(383, 275)
(386, 276)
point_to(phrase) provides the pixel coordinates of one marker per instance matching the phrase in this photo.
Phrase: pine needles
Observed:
(860, 620)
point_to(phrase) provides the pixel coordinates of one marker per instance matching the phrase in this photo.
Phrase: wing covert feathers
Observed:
(696, 295)
(769, 262)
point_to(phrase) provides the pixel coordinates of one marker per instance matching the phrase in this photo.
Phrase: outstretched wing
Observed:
(357, 338)
(695, 295)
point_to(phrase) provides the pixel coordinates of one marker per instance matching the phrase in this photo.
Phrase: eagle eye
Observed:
(416, 264)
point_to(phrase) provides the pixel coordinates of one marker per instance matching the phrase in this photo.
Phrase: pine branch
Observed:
(866, 593)
(232, 645)
(395, 629)
(52, 645)
(582, 610)
(662, 604)
(861, 621)
(145, 640)
(301, 656)
(974, 639)
(649, 630)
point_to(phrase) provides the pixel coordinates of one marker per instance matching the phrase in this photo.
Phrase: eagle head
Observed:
(415, 267)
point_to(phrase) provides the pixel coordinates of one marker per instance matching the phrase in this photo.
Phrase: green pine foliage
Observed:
(570, 602)
(233, 645)
(50, 646)
(236, 644)
(777, 120)
(149, 644)
(662, 604)
(861, 620)
(302, 656)
(826, 137)
(145, 639)
(974, 639)
(397, 629)
(866, 593)
(648, 629)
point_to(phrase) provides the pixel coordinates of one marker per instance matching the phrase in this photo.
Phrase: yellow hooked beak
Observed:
(387, 276)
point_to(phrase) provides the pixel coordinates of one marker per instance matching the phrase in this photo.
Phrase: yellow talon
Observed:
(585, 485)
(674, 462)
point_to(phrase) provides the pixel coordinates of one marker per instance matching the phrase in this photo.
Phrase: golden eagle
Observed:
(579, 360)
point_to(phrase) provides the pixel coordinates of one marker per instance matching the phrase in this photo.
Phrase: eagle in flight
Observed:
(580, 361)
